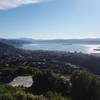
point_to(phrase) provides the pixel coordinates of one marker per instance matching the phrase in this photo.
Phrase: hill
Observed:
(16, 42)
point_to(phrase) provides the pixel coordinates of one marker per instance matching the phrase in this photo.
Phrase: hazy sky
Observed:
(50, 18)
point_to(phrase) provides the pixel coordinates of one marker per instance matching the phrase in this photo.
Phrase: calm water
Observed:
(64, 47)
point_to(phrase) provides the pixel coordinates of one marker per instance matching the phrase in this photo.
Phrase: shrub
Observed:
(6, 96)
(85, 86)
(55, 96)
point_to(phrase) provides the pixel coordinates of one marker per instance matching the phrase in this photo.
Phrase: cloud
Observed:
(7, 4)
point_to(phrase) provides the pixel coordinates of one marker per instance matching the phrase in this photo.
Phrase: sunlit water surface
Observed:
(84, 48)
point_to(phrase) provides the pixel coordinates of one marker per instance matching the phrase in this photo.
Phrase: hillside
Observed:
(16, 42)
(5, 46)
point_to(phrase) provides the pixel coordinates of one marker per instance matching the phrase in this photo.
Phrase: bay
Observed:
(84, 48)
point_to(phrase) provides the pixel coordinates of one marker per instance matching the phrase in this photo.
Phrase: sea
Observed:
(83, 48)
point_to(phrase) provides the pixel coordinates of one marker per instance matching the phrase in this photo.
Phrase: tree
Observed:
(85, 86)
(62, 86)
(43, 82)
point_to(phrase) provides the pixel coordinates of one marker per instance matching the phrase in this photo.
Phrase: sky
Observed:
(50, 19)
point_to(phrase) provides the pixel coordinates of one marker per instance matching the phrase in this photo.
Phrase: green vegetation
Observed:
(82, 85)
(45, 81)
(55, 96)
(9, 93)
(85, 86)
